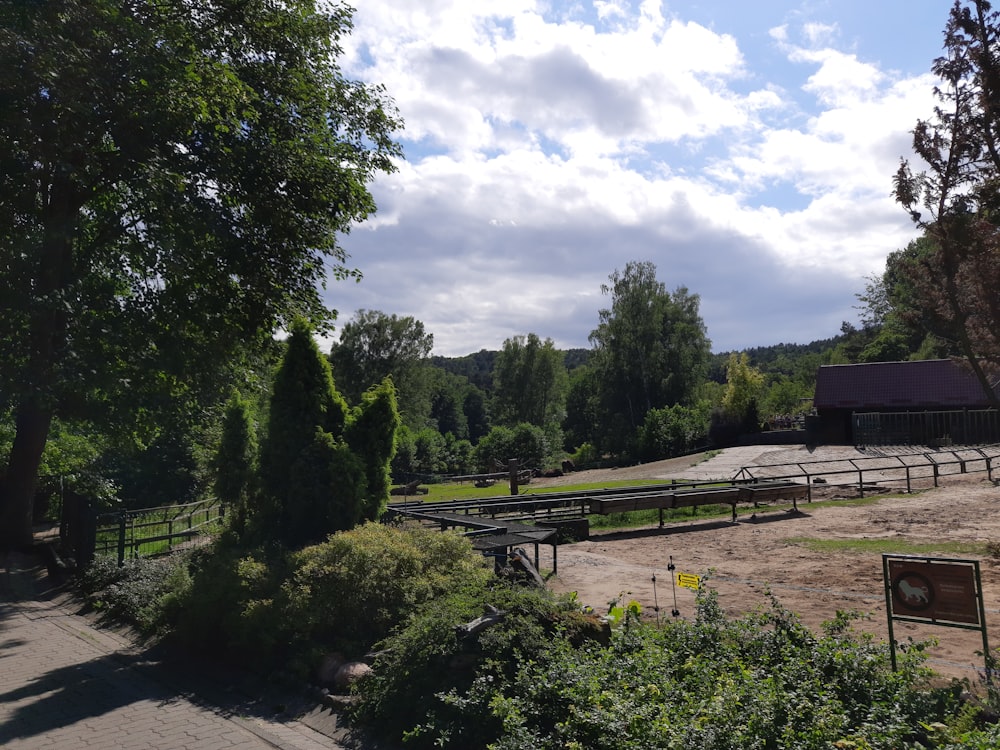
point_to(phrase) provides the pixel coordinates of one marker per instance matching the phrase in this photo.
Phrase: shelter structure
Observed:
(934, 402)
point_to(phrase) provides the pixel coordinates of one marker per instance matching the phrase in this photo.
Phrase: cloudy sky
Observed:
(745, 147)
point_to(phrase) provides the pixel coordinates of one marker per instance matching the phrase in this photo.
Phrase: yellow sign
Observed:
(688, 581)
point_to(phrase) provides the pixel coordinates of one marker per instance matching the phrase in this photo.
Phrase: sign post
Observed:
(936, 590)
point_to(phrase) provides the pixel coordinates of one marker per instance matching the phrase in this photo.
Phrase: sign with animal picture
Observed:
(936, 590)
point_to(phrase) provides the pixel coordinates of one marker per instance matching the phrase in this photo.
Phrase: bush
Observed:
(232, 608)
(673, 431)
(353, 589)
(525, 442)
(136, 593)
(759, 681)
(424, 671)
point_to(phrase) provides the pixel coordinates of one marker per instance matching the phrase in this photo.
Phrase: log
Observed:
(491, 617)
(519, 559)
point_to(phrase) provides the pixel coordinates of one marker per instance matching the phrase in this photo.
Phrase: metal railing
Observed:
(880, 472)
(153, 531)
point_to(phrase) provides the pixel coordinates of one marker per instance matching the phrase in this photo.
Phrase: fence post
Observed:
(86, 532)
(122, 522)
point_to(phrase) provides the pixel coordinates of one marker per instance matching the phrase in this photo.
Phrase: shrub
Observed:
(672, 431)
(232, 606)
(353, 589)
(137, 592)
(418, 689)
(759, 681)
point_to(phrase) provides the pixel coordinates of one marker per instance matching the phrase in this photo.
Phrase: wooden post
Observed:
(512, 468)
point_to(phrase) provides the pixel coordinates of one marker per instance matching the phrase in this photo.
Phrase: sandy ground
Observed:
(742, 561)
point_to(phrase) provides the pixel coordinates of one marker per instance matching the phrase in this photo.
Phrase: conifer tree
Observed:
(235, 461)
(371, 434)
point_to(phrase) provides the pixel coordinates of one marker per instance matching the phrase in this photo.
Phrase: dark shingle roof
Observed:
(926, 384)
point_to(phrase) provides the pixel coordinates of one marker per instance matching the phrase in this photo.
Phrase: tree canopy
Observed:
(529, 382)
(374, 346)
(172, 186)
(650, 350)
(955, 200)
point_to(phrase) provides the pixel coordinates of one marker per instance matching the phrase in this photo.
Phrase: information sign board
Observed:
(939, 591)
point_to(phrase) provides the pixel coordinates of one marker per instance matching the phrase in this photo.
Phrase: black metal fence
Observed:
(936, 429)
(130, 533)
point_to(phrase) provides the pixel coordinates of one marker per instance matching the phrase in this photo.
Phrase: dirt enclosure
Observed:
(771, 552)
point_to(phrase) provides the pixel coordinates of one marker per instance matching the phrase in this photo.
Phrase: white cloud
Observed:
(549, 146)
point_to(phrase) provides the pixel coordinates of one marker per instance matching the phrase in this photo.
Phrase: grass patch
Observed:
(891, 546)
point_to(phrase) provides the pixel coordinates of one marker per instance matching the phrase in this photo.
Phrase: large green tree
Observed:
(529, 383)
(651, 350)
(374, 346)
(955, 199)
(173, 179)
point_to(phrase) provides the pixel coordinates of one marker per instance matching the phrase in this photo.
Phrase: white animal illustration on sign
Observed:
(913, 594)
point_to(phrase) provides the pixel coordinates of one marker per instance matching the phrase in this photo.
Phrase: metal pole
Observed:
(888, 610)
(987, 656)
(673, 584)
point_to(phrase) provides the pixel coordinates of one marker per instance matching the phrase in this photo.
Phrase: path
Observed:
(66, 684)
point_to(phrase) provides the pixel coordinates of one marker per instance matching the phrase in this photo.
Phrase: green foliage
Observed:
(673, 431)
(270, 609)
(187, 198)
(236, 458)
(371, 434)
(759, 681)
(525, 442)
(953, 200)
(232, 607)
(744, 386)
(418, 688)
(529, 383)
(136, 593)
(326, 493)
(353, 589)
(313, 483)
(650, 351)
(374, 346)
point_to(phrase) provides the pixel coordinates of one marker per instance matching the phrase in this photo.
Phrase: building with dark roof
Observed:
(936, 385)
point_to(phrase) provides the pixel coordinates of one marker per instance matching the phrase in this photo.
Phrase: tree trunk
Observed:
(46, 337)
(18, 493)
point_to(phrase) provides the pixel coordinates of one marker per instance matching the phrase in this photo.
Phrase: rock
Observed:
(349, 673)
(326, 673)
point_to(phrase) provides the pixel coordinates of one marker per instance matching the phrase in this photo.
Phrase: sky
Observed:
(745, 147)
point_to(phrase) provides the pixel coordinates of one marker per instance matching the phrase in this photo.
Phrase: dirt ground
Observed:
(745, 559)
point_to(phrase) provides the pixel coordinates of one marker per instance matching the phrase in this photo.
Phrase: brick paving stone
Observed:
(66, 685)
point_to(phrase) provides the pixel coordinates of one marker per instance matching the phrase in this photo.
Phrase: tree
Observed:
(744, 387)
(305, 408)
(374, 346)
(525, 443)
(236, 460)
(529, 382)
(324, 467)
(173, 182)
(371, 434)
(650, 350)
(956, 199)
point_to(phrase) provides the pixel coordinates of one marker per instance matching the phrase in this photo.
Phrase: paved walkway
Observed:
(66, 684)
